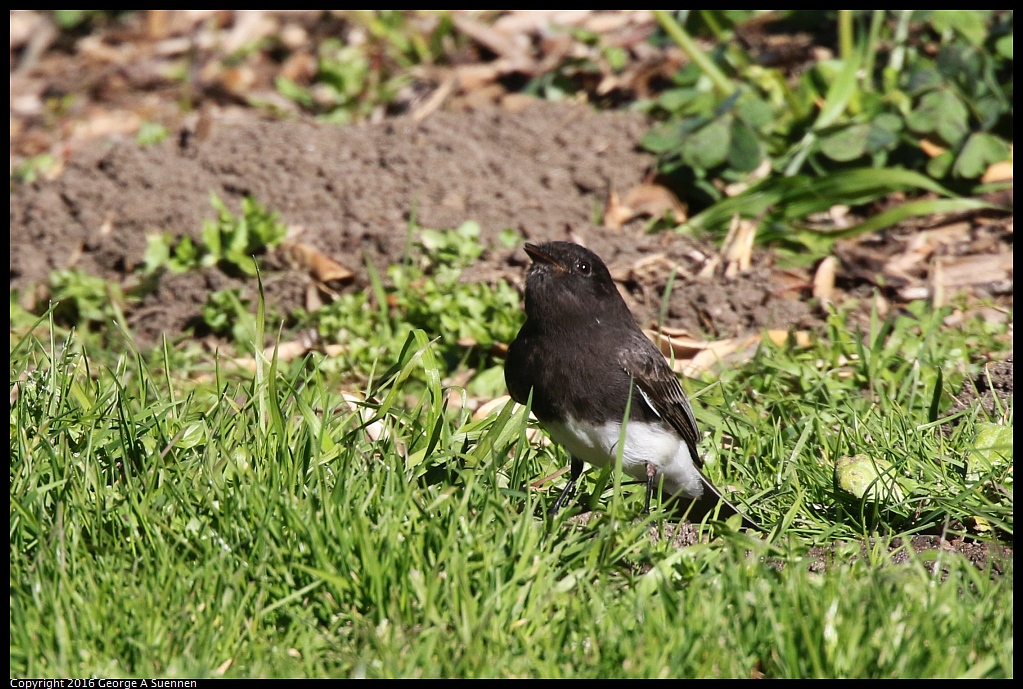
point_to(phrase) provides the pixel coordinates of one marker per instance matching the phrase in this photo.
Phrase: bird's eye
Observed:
(583, 267)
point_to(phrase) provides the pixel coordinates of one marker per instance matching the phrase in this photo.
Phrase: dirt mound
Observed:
(545, 172)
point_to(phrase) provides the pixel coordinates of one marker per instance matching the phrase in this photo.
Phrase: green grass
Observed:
(171, 518)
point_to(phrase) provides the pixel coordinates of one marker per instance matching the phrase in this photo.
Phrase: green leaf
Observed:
(289, 89)
(943, 113)
(186, 256)
(151, 133)
(663, 139)
(981, 150)
(940, 165)
(970, 24)
(909, 210)
(992, 450)
(744, 149)
(884, 133)
(848, 143)
(157, 254)
(69, 19)
(708, 146)
(754, 111)
(1004, 46)
(674, 100)
(797, 196)
(839, 94)
(867, 478)
(989, 109)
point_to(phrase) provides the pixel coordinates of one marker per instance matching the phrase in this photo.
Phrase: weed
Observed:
(229, 242)
(843, 118)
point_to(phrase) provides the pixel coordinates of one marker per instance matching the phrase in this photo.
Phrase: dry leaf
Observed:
(38, 32)
(516, 103)
(824, 279)
(286, 351)
(111, 122)
(249, 27)
(24, 24)
(436, 99)
(675, 332)
(950, 274)
(313, 302)
(792, 280)
(739, 254)
(998, 172)
(238, 80)
(914, 292)
(96, 49)
(319, 266)
(300, 67)
(716, 352)
(734, 349)
(607, 22)
(840, 216)
(334, 350)
(947, 234)
(172, 47)
(537, 21)
(480, 99)
(493, 406)
(676, 347)
(615, 214)
(106, 228)
(548, 478)
(711, 266)
(736, 251)
(294, 36)
(762, 171)
(375, 430)
(156, 24)
(646, 270)
(780, 337)
(508, 46)
(930, 148)
(653, 200)
(474, 77)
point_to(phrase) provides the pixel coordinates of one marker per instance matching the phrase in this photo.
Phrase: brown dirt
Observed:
(991, 557)
(544, 172)
(995, 381)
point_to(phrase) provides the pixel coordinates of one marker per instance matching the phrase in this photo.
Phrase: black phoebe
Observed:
(582, 355)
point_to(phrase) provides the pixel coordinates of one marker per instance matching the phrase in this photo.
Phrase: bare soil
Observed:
(351, 192)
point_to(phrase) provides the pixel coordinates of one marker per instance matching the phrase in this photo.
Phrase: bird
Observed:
(582, 360)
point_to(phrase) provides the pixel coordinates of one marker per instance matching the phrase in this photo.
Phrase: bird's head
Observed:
(567, 283)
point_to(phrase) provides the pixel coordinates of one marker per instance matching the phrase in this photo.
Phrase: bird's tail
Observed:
(712, 504)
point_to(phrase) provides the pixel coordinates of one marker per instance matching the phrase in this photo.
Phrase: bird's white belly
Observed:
(645, 444)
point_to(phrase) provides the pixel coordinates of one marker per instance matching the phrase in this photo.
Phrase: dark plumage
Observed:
(581, 353)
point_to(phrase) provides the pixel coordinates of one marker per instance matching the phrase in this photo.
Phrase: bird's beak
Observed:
(539, 256)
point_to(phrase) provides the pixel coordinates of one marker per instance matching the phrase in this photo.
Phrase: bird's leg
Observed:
(576, 472)
(651, 477)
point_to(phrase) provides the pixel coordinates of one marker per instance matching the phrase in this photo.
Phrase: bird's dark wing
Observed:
(660, 388)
